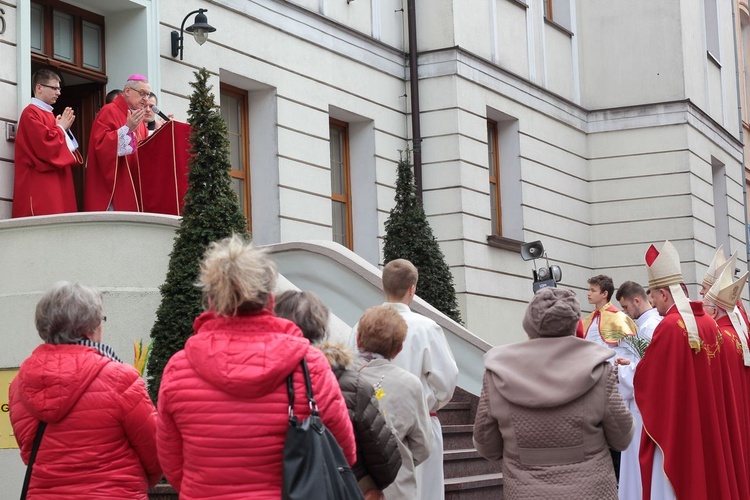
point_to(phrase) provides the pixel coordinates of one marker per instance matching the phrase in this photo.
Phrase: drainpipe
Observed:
(735, 6)
(416, 133)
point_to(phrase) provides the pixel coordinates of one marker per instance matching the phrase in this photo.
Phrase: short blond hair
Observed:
(236, 276)
(381, 330)
(398, 276)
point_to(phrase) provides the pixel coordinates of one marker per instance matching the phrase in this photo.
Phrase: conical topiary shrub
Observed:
(211, 213)
(409, 236)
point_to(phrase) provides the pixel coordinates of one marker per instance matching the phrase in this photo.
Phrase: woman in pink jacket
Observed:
(223, 404)
(100, 436)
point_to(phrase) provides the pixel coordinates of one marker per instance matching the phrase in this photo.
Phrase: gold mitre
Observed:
(664, 271)
(726, 291)
(714, 270)
(663, 266)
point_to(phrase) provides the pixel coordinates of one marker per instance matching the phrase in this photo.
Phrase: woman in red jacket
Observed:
(223, 404)
(100, 436)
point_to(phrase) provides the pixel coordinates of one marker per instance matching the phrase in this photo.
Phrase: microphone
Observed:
(158, 112)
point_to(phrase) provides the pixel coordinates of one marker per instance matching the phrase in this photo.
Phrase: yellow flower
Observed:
(140, 355)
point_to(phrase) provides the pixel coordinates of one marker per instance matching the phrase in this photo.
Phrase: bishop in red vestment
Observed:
(112, 168)
(692, 447)
(44, 154)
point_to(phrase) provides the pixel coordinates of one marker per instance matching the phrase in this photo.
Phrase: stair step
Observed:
(457, 437)
(468, 462)
(456, 413)
(479, 487)
(456, 405)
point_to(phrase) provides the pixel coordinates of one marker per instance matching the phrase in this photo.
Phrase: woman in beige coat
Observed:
(550, 408)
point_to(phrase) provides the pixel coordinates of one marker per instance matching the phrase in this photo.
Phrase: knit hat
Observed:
(553, 312)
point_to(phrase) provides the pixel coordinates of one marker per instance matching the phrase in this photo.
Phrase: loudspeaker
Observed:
(531, 251)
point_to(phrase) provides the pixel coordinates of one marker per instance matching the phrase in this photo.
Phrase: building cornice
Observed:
(319, 30)
(457, 61)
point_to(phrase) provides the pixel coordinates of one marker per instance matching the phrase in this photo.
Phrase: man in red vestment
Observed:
(720, 302)
(692, 446)
(718, 264)
(112, 166)
(45, 151)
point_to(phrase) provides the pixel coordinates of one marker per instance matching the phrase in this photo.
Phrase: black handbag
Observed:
(314, 467)
(34, 449)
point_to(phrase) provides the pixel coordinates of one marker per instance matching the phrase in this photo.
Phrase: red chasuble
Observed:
(43, 182)
(112, 179)
(687, 403)
(740, 381)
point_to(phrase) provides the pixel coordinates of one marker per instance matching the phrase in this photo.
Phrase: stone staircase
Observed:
(468, 476)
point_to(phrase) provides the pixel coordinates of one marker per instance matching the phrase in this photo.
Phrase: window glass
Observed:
(62, 27)
(92, 45)
(37, 28)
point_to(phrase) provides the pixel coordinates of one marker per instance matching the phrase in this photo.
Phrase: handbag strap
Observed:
(308, 390)
(34, 449)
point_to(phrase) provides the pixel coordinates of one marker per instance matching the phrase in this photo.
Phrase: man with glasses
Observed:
(45, 151)
(113, 168)
(153, 121)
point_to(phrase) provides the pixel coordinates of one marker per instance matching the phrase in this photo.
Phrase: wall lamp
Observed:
(200, 30)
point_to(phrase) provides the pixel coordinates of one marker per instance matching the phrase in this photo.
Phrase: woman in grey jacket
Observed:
(550, 408)
(378, 458)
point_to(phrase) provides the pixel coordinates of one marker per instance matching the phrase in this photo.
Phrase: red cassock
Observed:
(43, 182)
(112, 179)
(687, 401)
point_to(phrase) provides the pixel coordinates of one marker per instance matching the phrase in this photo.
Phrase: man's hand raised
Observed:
(134, 118)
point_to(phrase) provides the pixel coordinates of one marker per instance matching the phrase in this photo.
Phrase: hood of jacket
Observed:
(248, 355)
(546, 372)
(52, 380)
(339, 356)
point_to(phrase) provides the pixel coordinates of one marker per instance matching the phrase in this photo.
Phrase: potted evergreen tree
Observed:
(211, 213)
(409, 236)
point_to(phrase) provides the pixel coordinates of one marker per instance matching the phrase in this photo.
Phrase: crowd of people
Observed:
(46, 151)
(648, 400)
(651, 406)
(219, 427)
(644, 402)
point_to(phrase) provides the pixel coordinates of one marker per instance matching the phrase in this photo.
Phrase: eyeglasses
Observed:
(143, 93)
(56, 89)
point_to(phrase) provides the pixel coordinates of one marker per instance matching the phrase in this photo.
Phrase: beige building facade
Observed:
(595, 127)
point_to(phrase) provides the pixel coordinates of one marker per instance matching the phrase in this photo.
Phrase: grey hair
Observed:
(133, 84)
(236, 276)
(306, 310)
(67, 313)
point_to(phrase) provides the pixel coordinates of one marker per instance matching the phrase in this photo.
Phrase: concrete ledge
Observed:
(349, 284)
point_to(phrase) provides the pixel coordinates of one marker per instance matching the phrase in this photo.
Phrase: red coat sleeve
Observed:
(168, 437)
(139, 423)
